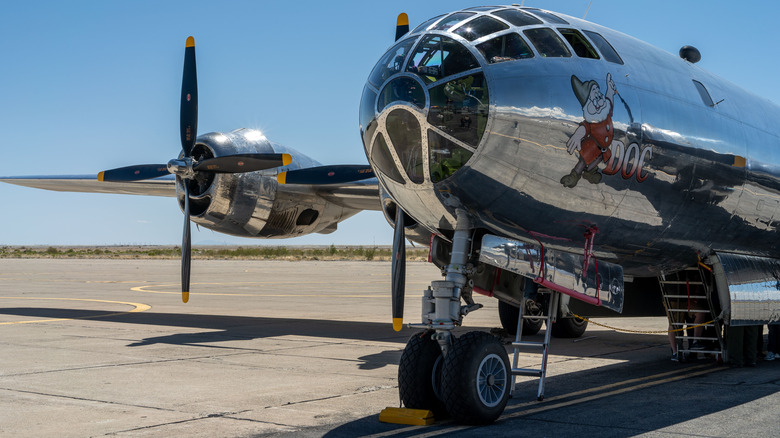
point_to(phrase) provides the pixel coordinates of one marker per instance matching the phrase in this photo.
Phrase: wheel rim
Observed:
(491, 380)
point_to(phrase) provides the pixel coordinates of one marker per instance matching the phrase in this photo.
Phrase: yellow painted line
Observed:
(611, 385)
(712, 369)
(138, 307)
(146, 289)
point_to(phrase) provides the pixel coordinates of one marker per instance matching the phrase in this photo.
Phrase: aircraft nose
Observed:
(424, 110)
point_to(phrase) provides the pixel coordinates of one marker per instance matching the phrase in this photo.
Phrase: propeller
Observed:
(188, 127)
(401, 26)
(187, 168)
(399, 269)
(336, 174)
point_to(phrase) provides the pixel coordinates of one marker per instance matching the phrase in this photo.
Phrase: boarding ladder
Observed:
(548, 319)
(685, 294)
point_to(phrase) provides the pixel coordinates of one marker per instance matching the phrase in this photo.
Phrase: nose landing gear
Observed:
(468, 377)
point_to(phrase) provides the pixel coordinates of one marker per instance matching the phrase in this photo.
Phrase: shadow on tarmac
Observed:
(715, 401)
(621, 399)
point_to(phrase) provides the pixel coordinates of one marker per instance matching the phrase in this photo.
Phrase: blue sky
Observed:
(91, 85)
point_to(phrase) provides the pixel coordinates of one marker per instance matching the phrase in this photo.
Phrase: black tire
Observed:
(419, 374)
(475, 378)
(569, 327)
(508, 315)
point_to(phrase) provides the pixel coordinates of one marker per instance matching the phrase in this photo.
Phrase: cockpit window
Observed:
(426, 25)
(517, 18)
(446, 157)
(606, 49)
(547, 43)
(401, 89)
(438, 56)
(479, 27)
(507, 47)
(406, 136)
(391, 63)
(550, 18)
(380, 155)
(581, 46)
(460, 108)
(483, 8)
(452, 20)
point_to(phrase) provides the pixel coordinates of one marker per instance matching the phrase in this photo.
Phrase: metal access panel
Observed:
(754, 288)
(602, 284)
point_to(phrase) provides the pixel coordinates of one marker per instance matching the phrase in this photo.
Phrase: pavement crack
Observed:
(72, 397)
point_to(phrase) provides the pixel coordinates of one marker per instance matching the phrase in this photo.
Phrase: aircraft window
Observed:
(391, 63)
(479, 27)
(446, 157)
(401, 89)
(380, 156)
(705, 95)
(406, 136)
(547, 42)
(507, 47)
(427, 24)
(367, 115)
(438, 56)
(517, 18)
(581, 46)
(452, 20)
(606, 49)
(482, 8)
(460, 108)
(550, 18)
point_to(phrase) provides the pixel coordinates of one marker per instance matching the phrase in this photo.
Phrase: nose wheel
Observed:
(470, 384)
(475, 378)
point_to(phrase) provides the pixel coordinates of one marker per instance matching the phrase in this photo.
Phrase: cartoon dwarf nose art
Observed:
(595, 135)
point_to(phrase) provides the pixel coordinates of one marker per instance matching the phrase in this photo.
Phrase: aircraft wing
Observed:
(165, 186)
(360, 195)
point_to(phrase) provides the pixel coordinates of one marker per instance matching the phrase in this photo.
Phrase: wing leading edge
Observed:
(360, 195)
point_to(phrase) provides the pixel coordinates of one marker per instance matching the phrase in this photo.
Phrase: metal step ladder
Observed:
(686, 294)
(549, 318)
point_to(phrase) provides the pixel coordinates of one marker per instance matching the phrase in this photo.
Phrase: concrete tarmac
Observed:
(106, 348)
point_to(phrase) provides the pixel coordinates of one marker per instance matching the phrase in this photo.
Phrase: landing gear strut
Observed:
(470, 378)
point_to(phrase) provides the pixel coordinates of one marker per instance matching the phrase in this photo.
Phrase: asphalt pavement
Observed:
(275, 348)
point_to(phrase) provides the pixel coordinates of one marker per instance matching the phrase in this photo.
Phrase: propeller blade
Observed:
(326, 174)
(401, 26)
(185, 246)
(188, 118)
(243, 163)
(399, 270)
(134, 173)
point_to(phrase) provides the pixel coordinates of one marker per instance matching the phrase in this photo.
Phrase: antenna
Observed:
(586, 10)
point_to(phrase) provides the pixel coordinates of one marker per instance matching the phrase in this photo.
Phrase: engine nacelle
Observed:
(251, 204)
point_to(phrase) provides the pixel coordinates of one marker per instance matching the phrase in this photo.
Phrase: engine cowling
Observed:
(251, 204)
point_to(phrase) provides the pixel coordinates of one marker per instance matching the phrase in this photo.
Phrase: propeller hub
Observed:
(182, 168)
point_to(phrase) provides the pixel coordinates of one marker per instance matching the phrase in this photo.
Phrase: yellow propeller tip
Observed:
(185, 296)
(100, 176)
(190, 42)
(286, 159)
(403, 19)
(398, 324)
(281, 178)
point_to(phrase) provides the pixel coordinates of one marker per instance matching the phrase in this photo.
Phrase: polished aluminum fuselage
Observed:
(690, 178)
